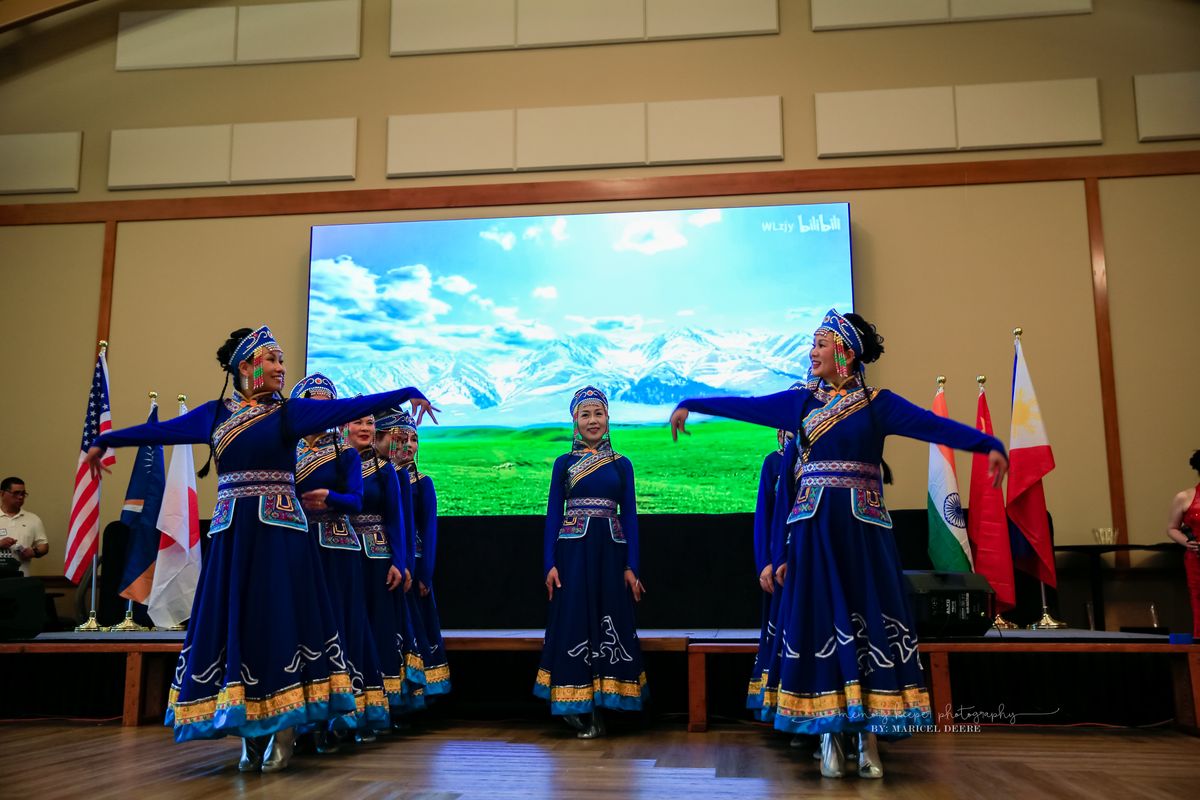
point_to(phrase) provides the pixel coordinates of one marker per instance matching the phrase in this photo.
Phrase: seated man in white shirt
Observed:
(21, 533)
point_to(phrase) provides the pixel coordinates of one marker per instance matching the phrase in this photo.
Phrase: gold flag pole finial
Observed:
(103, 345)
(182, 398)
(1017, 332)
(154, 395)
(941, 380)
(981, 379)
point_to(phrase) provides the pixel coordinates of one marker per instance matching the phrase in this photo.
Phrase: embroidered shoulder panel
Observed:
(308, 459)
(242, 419)
(587, 465)
(819, 421)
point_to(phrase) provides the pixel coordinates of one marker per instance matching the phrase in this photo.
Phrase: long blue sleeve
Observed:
(349, 501)
(313, 416)
(193, 427)
(554, 511)
(902, 418)
(781, 410)
(394, 522)
(410, 522)
(627, 512)
(426, 512)
(764, 510)
(784, 497)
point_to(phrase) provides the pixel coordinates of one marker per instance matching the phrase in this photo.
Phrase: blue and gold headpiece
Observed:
(315, 385)
(252, 349)
(588, 394)
(845, 337)
(396, 420)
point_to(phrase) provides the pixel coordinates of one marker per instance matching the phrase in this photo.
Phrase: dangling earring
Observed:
(393, 448)
(344, 435)
(258, 370)
(839, 358)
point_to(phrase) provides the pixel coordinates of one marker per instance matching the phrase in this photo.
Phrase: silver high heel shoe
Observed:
(252, 753)
(596, 729)
(869, 765)
(279, 750)
(833, 757)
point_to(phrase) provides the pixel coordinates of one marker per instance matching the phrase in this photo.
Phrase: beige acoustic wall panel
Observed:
(834, 14)
(679, 19)
(885, 121)
(997, 9)
(190, 37)
(149, 157)
(326, 30)
(446, 144)
(298, 150)
(440, 26)
(1168, 106)
(696, 131)
(1030, 114)
(40, 162)
(546, 23)
(581, 136)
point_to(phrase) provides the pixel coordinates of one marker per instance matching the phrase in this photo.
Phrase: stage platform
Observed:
(150, 655)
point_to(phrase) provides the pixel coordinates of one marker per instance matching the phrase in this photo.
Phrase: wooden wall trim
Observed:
(1108, 380)
(575, 191)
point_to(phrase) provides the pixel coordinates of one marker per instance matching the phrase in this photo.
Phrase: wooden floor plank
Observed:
(528, 760)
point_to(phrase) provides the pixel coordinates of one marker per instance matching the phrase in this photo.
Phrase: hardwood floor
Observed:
(530, 760)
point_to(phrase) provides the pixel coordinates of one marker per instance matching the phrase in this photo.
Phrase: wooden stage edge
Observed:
(146, 662)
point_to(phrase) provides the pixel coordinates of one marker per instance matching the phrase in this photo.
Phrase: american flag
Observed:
(84, 533)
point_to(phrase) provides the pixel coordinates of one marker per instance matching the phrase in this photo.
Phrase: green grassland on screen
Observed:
(494, 470)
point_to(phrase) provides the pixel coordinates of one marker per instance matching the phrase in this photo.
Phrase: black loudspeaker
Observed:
(949, 603)
(22, 608)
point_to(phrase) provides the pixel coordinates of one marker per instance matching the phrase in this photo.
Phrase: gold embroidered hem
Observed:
(233, 695)
(438, 674)
(877, 703)
(599, 685)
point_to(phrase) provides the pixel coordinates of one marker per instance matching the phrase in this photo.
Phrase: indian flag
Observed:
(948, 547)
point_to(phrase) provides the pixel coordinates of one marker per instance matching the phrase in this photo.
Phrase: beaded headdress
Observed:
(315, 385)
(845, 337)
(586, 395)
(254, 348)
(395, 420)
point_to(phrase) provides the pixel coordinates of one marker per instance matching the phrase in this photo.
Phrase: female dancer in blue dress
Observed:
(591, 658)
(329, 482)
(769, 483)
(388, 604)
(848, 646)
(423, 516)
(262, 653)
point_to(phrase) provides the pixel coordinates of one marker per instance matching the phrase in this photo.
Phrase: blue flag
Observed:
(143, 499)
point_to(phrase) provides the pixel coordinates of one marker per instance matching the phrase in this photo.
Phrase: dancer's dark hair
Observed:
(225, 359)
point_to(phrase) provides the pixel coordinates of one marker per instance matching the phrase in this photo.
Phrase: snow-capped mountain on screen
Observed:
(649, 376)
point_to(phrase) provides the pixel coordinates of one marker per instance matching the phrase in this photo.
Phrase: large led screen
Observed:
(499, 321)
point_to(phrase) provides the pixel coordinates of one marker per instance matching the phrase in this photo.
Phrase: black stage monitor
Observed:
(949, 603)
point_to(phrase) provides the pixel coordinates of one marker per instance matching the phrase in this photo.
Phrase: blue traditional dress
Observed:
(326, 464)
(381, 527)
(591, 657)
(418, 641)
(424, 540)
(848, 646)
(764, 512)
(262, 651)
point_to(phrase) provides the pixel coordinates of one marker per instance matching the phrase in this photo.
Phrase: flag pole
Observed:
(999, 623)
(128, 625)
(1047, 622)
(180, 627)
(92, 625)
